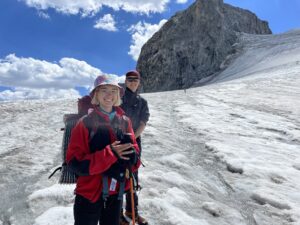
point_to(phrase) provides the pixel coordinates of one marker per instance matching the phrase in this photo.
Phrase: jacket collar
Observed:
(119, 112)
(130, 93)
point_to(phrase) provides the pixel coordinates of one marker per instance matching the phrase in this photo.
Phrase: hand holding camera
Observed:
(124, 149)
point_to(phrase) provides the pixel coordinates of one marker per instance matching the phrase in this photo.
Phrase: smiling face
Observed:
(132, 82)
(107, 96)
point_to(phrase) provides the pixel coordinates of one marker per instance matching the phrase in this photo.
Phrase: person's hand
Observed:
(122, 150)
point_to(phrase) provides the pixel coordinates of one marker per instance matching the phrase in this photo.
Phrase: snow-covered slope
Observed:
(226, 153)
(264, 56)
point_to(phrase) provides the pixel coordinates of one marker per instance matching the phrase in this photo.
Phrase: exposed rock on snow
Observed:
(194, 44)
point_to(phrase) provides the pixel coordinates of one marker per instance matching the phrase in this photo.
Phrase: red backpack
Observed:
(84, 104)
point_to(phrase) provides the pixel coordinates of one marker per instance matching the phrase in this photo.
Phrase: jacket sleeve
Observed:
(145, 114)
(79, 158)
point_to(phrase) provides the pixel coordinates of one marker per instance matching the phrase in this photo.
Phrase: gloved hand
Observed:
(118, 169)
(126, 156)
(127, 138)
(132, 158)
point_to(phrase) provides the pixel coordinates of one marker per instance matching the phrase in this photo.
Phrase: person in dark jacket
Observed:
(97, 156)
(136, 108)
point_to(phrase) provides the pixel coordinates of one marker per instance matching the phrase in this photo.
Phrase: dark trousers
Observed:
(88, 213)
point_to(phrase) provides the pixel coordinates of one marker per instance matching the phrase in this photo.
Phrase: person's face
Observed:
(107, 96)
(132, 83)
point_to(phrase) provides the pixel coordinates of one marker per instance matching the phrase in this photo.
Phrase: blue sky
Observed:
(50, 47)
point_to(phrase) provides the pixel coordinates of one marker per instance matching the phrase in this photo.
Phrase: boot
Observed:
(138, 219)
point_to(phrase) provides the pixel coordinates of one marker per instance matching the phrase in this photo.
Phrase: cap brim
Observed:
(133, 73)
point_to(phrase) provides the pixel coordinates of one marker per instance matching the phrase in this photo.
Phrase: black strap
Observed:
(58, 168)
(105, 192)
(121, 191)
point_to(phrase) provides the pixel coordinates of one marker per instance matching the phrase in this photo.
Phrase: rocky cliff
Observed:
(194, 44)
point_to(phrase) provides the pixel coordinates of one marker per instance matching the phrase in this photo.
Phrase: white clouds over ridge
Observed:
(141, 33)
(33, 77)
(91, 7)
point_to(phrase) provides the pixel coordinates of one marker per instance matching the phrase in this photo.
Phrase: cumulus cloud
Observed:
(32, 78)
(107, 22)
(141, 33)
(26, 93)
(43, 15)
(91, 7)
(34, 73)
(121, 79)
(181, 1)
(69, 7)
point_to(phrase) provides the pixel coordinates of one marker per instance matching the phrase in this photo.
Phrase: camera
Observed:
(126, 138)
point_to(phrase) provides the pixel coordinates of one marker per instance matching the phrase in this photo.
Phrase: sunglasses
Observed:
(132, 79)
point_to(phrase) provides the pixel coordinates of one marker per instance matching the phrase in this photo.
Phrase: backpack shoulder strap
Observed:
(92, 122)
(125, 122)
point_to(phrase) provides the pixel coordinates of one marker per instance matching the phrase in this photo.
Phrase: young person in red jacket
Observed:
(101, 158)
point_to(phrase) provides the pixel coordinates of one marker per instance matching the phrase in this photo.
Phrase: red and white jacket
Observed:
(91, 157)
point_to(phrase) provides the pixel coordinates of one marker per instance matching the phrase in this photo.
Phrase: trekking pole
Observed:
(132, 199)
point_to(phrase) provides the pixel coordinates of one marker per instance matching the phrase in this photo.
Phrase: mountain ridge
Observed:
(193, 44)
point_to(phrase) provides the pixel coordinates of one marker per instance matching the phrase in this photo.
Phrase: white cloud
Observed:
(181, 1)
(44, 93)
(43, 15)
(91, 7)
(141, 33)
(33, 79)
(121, 79)
(72, 7)
(107, 22)
(34, 73)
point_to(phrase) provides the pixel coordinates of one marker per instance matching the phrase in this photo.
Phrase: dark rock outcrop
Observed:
(194, 44)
